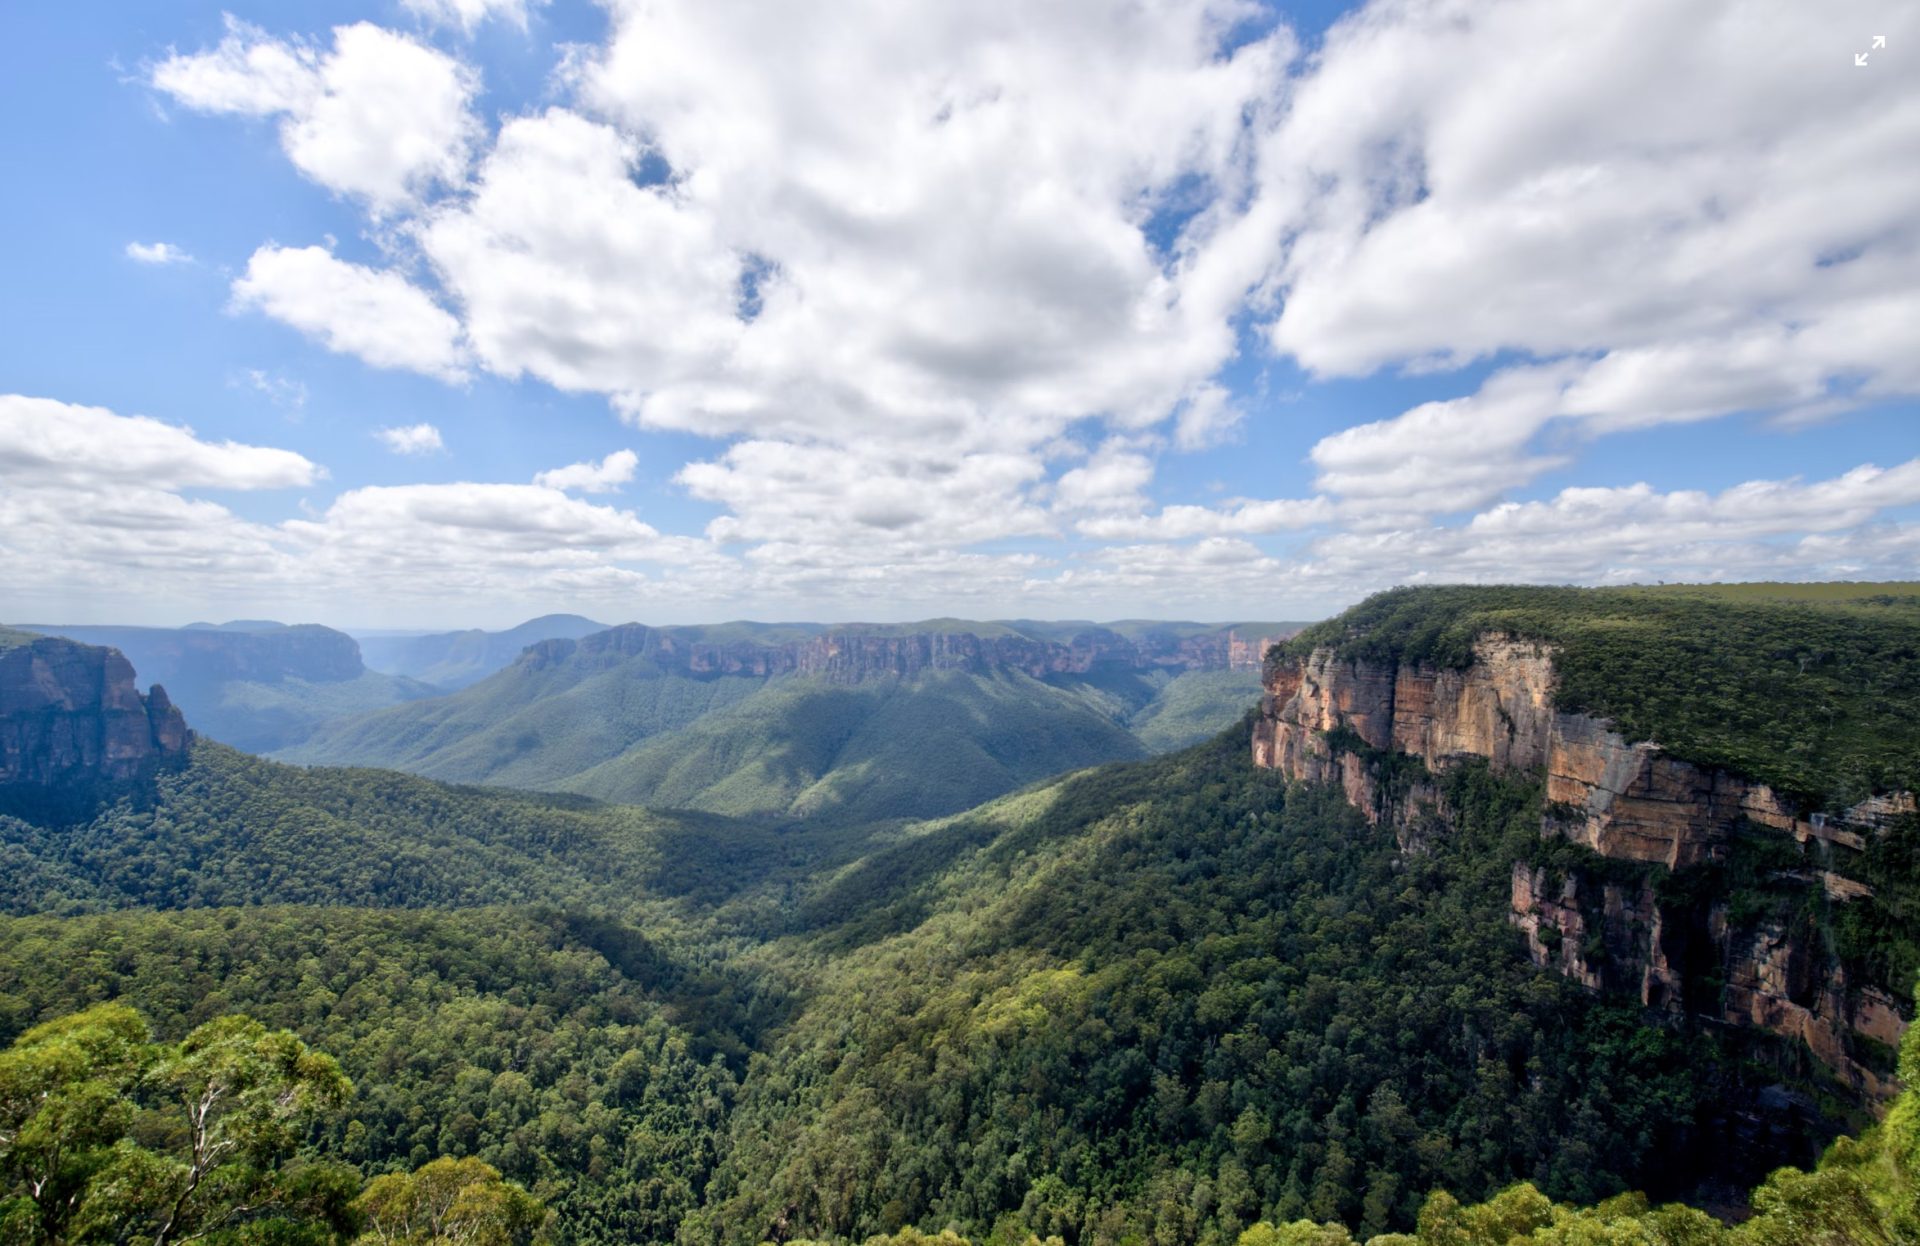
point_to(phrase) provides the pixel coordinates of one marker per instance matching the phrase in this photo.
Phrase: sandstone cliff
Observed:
(852, 655)
(1354, 724)
(74, 728)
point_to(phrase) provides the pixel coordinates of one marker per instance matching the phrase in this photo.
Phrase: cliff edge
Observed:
(1645, 901)
(74, 728)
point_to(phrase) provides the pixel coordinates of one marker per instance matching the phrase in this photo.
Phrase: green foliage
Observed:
(791, 746)
(1163, 1000)
(884, 748)
(1816, 694)
(486, 1033)
(447, 1201)
(232, 829)
(1166, 1002)
(1193, 706)
(105, 1135)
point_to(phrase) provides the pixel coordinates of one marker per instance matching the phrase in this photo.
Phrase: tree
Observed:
(63, 1106)
(106, 1136)
(449, 1200)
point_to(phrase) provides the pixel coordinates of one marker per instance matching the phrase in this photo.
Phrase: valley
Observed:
(854, 724)
(1286, 976)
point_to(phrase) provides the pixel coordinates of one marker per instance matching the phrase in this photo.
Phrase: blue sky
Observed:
(1218, 312)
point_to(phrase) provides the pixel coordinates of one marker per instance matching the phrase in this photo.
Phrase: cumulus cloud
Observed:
(1111, 480)
(1757, 530)
(602, 477)
(819, 502)
(380, 116)
(1179, 523)
(567, 270)
(93, 508)
(46, 443)
(375, 314)
(947, 208)
(910, 266)
(411, 439)
(157, 253)
(1451, 454)
(468, 14)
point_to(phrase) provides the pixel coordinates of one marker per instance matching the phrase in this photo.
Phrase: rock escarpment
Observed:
(1355, 724)
(74, 728)
(851, 656)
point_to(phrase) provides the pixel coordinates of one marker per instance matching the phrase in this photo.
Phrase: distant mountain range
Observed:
(807, 720)
(254, 684)
(452, 660)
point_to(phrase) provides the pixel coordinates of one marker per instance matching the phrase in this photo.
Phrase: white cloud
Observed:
(380, 117)
(566, 269)
(411, 439)
(1756, 530)
(468, 14)
(903, 261)
(1451, 454)
(876, 502)
(950, 204)
(157, 253)
(46, 443)
(352, 309)
(602, 477)
(1696, 196)
(1111, 480)
(1207, 417)
(1180, 523)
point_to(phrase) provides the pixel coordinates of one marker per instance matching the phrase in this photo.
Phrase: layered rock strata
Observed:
(1327, 720)
(73, 724)
(853, 656)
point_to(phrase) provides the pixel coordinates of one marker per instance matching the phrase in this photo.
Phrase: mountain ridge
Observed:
(686, 716)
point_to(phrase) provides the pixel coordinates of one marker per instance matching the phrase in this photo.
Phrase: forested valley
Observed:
(1173, 1001)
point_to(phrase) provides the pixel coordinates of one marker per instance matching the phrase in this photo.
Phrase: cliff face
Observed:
(1328, 720)
(73, 726)
(853, 656)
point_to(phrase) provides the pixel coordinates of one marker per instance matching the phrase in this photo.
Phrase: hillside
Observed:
(452, 660)
(1164, 1000)
(850, 723)
(254, 684)
(1058, 1008)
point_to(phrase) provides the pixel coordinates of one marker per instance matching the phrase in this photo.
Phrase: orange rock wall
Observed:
(1625, 800)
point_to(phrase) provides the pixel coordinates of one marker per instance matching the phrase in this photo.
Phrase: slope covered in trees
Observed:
(1162, 1000)
(1172, 1001)
(717, 719)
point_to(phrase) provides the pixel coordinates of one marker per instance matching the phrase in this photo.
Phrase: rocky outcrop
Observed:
(850, 656)
(1329, 720)
(74, 728)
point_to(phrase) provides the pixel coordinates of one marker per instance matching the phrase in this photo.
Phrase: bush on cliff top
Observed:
(1817, 695)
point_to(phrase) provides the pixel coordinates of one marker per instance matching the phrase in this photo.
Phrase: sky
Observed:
(443, 313)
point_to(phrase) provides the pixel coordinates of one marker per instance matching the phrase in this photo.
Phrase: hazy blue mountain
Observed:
(452, 660)
(255, 685)
(804, 720)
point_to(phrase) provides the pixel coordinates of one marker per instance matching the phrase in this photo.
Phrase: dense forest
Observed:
(1168, 1002)
(1162, 1000)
